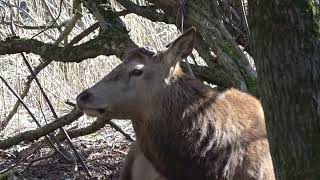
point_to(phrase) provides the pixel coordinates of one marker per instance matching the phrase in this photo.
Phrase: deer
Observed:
(184, 128)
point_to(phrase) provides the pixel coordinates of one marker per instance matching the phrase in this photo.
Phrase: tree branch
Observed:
(150, 12)
(102, 45)
(83, 34)
(216, 75)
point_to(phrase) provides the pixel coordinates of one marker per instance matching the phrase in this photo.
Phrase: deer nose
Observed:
(84, 96)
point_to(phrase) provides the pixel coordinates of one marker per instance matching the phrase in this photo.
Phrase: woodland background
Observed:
(71, 44)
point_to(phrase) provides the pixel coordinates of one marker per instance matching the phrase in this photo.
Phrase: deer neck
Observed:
(171, 132)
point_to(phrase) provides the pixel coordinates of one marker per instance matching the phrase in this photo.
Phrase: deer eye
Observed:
(136, 72)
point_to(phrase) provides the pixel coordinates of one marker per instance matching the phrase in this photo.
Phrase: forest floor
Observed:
(102, 152)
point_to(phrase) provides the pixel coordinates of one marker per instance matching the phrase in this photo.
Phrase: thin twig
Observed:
(243, 12)
(24, 93)
(31, 114)
(27, 13)
(28, 110)
(16, 6)
(83, 34)
(74, 133)
(33, 27)
(180, 17)
(22, 159)
(56, 116)
(52, 109)
(41, 110)
(54, 22)
(37, 159)
(9, 153)
(117, 128)
(71, 24)
(70, 103)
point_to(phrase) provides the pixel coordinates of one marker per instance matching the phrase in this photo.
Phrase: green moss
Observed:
(251, 84)
(117, 34)
(7, 176)
(314, 9)
(229, 49)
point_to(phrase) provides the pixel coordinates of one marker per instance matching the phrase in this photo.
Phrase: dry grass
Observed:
(62, 81)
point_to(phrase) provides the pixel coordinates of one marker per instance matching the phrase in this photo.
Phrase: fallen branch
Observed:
(32, 135)
(73, 133)
(112, 124)
(95, 126)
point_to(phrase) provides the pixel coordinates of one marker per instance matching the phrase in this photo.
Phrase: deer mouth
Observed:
(95, 112)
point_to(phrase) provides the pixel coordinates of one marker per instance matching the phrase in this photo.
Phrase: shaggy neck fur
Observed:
(184, 138)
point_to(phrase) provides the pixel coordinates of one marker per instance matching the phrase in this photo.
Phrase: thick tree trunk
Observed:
(286, 45)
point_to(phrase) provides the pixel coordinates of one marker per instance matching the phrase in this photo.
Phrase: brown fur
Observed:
(138, 167)
(184, 128)
(198, 133)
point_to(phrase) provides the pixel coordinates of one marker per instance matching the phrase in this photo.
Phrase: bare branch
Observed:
(151, 12)
(115, 41)
(55, 20)
(101, 45)
(71, 24)
(34, 27)
(83, 34)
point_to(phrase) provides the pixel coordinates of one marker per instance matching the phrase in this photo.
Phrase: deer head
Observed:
(130, 89)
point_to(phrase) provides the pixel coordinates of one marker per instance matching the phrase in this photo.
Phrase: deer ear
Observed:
(182, 47)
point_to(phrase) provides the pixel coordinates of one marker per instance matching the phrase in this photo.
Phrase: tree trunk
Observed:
(286, 45)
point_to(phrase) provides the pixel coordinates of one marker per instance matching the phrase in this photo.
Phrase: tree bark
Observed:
(286, 45)
(213, 36)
